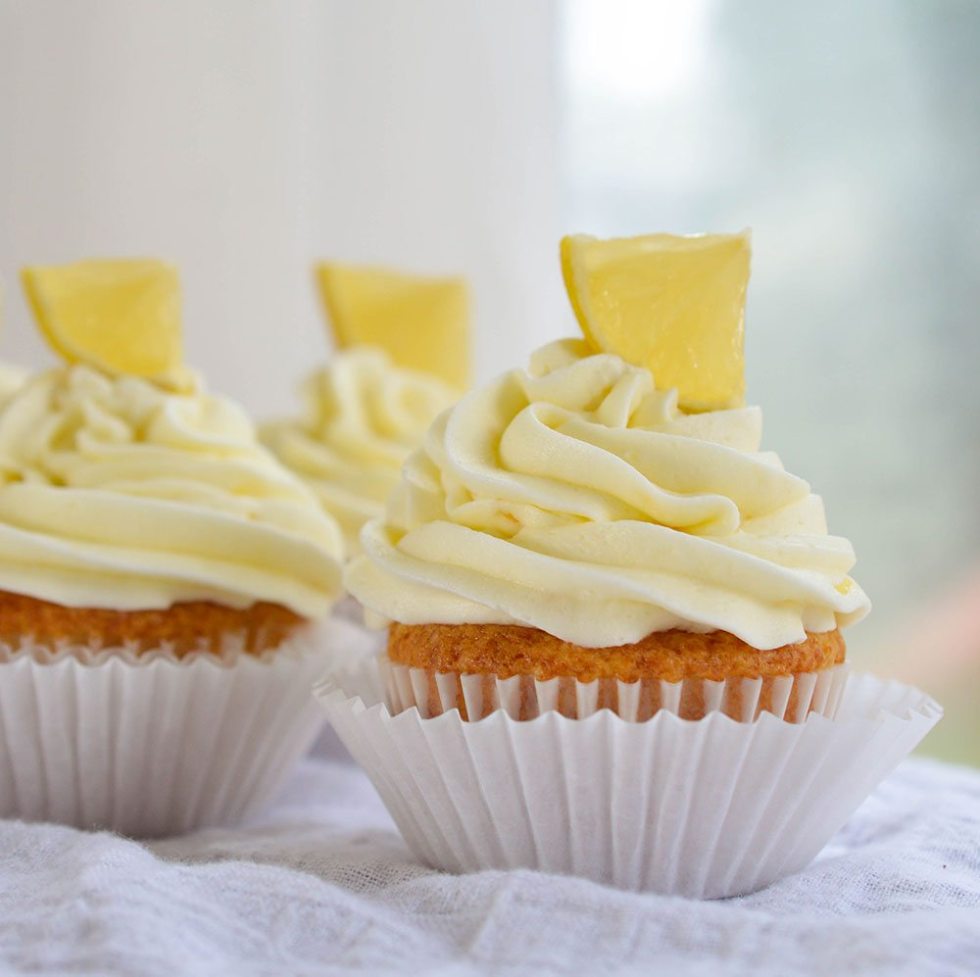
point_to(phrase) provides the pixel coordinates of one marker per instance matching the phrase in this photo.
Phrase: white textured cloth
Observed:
(322, 884)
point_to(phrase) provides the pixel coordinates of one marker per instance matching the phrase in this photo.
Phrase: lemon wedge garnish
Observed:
(675, 305)
(422, 323)
(120, 316)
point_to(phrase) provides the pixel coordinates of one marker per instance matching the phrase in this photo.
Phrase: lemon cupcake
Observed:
(403, 358)
(614, 621)
(159, 573)
(577, 523)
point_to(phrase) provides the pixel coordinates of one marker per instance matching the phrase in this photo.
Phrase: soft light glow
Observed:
(636, 49)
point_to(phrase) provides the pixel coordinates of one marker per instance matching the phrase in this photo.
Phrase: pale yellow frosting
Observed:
(116, 493)
(578, 499)
(362, 417)
(12, 378)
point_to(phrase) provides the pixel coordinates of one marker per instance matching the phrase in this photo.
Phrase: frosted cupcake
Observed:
(573, 522)
(403, 359)
(614, 622)
(159, 571)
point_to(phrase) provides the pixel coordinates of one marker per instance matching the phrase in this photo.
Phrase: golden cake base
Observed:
(496, 652)
(185, 627)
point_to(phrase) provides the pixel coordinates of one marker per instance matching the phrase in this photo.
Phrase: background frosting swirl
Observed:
(578, 499)
(362, 416)
(116, 493)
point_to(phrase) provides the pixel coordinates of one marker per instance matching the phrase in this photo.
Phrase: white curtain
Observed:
(244, 139)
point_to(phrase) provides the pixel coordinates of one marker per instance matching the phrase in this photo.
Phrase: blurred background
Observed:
(244, 139)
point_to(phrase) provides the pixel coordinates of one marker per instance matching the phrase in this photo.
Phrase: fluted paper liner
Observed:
(349, 609)
(789, 697)
(706, 808)
(150, 744)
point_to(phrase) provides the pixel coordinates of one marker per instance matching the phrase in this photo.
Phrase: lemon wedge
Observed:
(675, 305)
(422, 323)
(120, 316)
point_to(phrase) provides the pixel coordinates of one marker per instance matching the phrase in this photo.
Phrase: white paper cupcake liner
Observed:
(349, 609)
(359, 644)
(706, 809)
(790, 697)
(151, 744)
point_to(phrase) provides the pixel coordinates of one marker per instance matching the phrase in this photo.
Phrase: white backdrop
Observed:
(242, 140)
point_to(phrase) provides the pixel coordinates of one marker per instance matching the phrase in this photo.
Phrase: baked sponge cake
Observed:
(582, 520)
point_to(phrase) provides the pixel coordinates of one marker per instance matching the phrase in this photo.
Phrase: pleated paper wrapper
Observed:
(150, 744)
(349, 609)
(701, 808)
(790, 697)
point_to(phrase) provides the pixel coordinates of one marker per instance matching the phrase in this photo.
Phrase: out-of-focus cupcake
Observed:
(614, 622)
(159, 573)
(403, 358)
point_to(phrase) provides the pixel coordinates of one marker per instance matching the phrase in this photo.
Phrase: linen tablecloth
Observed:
(322, 884)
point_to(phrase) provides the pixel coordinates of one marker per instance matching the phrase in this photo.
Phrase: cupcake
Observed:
(575, 522)
(403, 359)
(614, 621)
(159, 575)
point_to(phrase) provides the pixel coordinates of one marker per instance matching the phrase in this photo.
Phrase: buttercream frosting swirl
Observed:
(362, 416)
(576, 498)
(116, 493)
(12, 378)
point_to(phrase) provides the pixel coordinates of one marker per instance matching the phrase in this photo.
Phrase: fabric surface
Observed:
(322, 884)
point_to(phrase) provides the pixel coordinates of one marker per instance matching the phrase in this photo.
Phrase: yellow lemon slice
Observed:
(422, 323)
(675, 305)
(118, 316)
